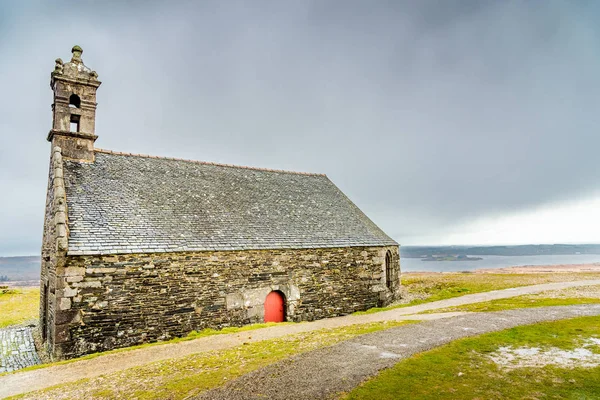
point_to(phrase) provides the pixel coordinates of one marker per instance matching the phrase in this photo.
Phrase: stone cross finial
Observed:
(76, 50)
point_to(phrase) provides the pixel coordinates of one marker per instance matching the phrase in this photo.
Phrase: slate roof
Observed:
(142, 204)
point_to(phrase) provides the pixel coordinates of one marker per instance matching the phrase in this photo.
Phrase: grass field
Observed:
(564, 297)
(427, 287)
(19, 305)
(464, 369)
(516, 302)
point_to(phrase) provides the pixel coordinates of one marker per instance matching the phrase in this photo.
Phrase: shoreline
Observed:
(523, 269)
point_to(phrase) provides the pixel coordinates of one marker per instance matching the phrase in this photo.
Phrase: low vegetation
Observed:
(466, 369)
(191, 336)
(516, 302)
(185, 377)
(427, 287)
(19, 306)
(565, 297)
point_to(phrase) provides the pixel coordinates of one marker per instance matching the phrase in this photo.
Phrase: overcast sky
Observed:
(447, 122)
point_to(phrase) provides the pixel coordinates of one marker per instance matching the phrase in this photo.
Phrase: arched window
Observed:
(74, 101)
(389, 272)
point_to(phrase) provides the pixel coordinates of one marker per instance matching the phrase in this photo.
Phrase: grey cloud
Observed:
(427, 114)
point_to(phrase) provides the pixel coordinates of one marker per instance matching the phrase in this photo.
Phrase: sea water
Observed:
(415, 264)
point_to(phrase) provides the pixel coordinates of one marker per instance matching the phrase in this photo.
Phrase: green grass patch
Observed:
(19, 305)
(184, 377)
(526, 301)
(428, 287)
(461, 370)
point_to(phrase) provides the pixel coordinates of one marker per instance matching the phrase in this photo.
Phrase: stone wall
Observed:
(111, 301)
(63, 89)
(54, 244)
(76, 146)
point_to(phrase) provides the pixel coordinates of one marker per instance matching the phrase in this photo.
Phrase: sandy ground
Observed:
(538, 269)
(524, 269)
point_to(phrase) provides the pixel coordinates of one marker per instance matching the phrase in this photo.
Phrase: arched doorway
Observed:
(275, 307)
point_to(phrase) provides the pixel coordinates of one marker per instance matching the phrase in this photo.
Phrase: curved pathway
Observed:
(326, 372)
(26, 381)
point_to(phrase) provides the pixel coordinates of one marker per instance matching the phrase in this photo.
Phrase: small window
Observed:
(389, 271)
(74, 123)
(74, 101)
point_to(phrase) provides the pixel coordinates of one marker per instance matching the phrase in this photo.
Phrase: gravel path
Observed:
(22, 382)
(326, 372)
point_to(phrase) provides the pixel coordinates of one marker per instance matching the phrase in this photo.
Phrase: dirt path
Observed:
(325, 373)
(22, 382)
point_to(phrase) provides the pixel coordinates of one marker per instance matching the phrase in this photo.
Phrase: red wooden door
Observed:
(274, 307)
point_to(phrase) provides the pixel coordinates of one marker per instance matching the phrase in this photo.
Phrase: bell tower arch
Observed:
(74, 108)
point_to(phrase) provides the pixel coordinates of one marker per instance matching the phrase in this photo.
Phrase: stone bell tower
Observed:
(74, 108)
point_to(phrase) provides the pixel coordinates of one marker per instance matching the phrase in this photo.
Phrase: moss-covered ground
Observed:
(463, 370)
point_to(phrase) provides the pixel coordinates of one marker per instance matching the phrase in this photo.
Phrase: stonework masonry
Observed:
(139, 249)
(112, 301)
(74, 108)
(54, 244)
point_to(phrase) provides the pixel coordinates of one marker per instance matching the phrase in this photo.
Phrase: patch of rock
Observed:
(17, 349)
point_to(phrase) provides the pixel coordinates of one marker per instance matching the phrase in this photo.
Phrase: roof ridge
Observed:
(119, 153)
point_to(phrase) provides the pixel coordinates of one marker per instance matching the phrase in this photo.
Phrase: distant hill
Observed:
(20, 268)
(523, 250)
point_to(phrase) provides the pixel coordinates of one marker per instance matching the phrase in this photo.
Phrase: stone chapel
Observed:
(140, 248)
